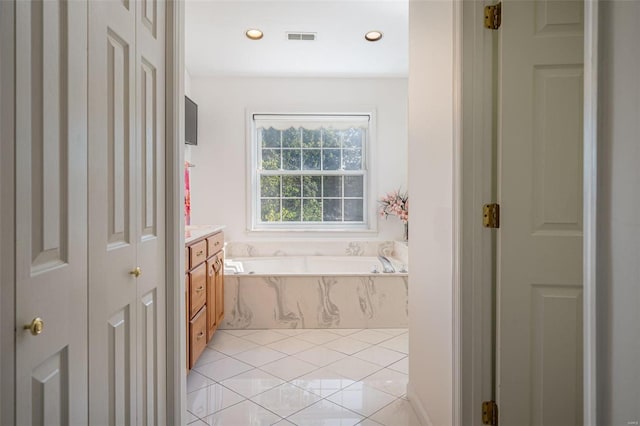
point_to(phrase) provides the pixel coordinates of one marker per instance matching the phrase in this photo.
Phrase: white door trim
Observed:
(176, 323)
(7, 212)
(590, 208)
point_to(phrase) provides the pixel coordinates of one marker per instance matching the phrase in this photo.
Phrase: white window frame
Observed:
(369, 223)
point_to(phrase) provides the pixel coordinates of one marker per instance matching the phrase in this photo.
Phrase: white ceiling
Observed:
(216, 44)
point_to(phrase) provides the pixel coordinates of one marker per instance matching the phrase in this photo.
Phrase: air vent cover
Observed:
(301, 36)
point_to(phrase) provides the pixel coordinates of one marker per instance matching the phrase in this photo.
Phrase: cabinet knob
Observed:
(36, 326)
(136, 272)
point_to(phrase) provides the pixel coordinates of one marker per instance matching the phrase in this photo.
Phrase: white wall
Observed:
(430, 174)
(220, 176)
(618, 234)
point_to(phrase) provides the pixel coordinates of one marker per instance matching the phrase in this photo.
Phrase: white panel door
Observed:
(51, 212)
(127, 212)
(113, 213)
(539, 308)
(150, 233)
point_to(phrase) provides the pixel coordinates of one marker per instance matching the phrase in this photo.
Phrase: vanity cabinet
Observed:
(204, 281)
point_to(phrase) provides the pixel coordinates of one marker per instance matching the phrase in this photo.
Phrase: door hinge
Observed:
(489, 413)
(493, 16)
(491, 215)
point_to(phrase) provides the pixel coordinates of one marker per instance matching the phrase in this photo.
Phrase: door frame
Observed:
(7, 212)
(590, 170)
(174, 185)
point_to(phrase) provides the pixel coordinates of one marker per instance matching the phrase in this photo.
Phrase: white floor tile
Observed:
(245, 413)
(206, 401)
(230, 345)
(197, 422)
(379, 355)
(197, 381)
(259, 356)
(318, 337)
(389, 381)
(191, 417)
(343, 331)
(209, 355)
(239, 333)
(291, 331)
(285, 399)
(399, 413)
(402, 366)
(223, 369)
(369, 422)
(325, 413)
(284, 422)
(398, 343)
(291, 345)
(347, 345)
(392, 331)
(370, 336)
(323, 382)
(289, 368)
(252, 382)
(320, 356)
(362, 399)
(353, 368)
(264, 337)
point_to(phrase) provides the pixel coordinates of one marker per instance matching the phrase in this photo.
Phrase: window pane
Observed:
(332, 186)
(331, 159)
(330, 138)
(332, 210)
(310, 138)
(270, 138)
(271, 159)
(312, 210)
(353, 138)
(291, 210)
(353, 211)
(291, 159)
(291, 186)
(291, 138)
(353, 186)
(270, 210)
(311, 159)
(270, 186)
(311, 186)
(352, 159)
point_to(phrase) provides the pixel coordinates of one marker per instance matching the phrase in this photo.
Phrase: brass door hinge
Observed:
(489, 413)
(493, 16)
(491, 215)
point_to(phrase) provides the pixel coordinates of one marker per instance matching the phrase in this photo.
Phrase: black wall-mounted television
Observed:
(190, 122)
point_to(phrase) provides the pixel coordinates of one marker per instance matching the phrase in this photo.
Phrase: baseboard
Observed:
(418, 408)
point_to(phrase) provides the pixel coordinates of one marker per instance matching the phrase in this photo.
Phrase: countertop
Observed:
(195, 232)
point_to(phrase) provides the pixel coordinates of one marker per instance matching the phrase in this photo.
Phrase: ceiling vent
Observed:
(301, 36)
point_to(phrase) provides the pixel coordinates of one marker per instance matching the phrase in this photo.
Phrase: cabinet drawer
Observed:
(197, 289)
(197, 336)
(215, 243)
(197, 253)
(186, 259)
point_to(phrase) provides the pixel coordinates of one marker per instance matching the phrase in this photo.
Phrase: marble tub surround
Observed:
(195, 232)
(311, 248)
(280, 302)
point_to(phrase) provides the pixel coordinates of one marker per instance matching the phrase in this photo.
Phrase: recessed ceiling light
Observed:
(373, 36)
(254, 34)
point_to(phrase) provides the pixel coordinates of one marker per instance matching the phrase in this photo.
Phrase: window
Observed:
(310, 172)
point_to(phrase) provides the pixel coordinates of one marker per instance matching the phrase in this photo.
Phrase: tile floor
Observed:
(302, 377)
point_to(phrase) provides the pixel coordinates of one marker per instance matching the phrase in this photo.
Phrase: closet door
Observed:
(127, 212)
(51, 212)
(113, 212)
(150, 182)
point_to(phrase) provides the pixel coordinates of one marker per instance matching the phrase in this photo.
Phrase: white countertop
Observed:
(195, 232)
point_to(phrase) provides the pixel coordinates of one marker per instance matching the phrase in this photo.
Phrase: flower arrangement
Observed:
(395, 203)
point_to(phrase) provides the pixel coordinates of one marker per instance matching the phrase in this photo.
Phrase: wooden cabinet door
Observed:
(211, 297)
(219, 285)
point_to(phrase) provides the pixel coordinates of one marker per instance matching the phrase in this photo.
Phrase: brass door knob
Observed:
(136, 272)
(36, 326)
